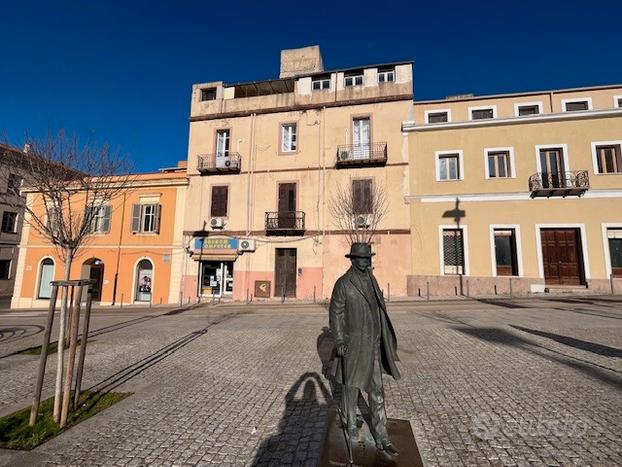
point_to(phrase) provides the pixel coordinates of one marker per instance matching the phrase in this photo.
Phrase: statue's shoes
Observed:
(387, 447)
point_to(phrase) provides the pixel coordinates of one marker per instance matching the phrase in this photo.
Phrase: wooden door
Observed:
(285, 272)
(287, 206)
(561, 256)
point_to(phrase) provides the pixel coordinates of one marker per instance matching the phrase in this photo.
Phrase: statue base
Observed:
(364, 451)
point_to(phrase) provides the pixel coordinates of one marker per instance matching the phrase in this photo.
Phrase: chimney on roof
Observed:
(301, 61)
(27, 148)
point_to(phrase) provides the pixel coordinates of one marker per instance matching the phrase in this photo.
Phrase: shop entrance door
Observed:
(216, 279)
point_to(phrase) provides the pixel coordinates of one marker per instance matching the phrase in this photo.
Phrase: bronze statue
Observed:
(365, 342)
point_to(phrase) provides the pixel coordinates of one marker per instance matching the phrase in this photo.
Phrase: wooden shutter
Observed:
(136, 208)
(158, 213)
(106, 220)
(362, 193)
(220, 196)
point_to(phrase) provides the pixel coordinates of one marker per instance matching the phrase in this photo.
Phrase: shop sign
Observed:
(215, 243)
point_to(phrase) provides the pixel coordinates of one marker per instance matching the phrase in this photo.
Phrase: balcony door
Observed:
(361, 138)
(287, 206)
(553, 170)
(223, 140)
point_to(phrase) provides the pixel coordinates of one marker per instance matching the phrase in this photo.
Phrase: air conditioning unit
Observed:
(216, 222)
(246, 244)
(344, 155)
(362, 222)
(228, 163)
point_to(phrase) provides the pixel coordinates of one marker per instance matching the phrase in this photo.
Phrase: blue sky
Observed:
(122, 72)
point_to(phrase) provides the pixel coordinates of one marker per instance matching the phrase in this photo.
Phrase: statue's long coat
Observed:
(351, 322)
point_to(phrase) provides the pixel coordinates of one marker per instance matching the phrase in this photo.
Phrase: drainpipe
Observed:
(116, 272)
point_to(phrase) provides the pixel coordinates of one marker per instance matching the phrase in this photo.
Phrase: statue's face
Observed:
(362, 264)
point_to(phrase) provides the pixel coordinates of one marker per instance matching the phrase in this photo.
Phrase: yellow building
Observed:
(516, 193)
(264, 160)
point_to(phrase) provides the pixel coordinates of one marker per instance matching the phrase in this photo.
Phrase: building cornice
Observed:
(301, 107)
(410, 125)
(135, 184)
(510, 196)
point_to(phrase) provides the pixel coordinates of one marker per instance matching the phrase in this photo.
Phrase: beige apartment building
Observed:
(516, 193)
(266, 157)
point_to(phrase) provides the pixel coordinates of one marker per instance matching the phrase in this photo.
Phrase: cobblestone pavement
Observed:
(495, 382)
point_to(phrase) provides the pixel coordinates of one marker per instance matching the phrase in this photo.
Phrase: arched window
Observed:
(46, 275)
(144, 280)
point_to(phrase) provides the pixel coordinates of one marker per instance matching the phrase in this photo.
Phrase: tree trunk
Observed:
(69, 253)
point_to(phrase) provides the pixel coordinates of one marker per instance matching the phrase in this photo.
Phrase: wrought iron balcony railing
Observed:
(285, 223)
(574, 183)
(218, 163)
(357, 155)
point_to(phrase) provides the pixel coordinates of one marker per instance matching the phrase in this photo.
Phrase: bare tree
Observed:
(70, 183)
(358, 209)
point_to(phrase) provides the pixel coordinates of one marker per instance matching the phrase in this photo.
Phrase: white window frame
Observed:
(353, 77)
(604, 227)
(386, 73)
(509, 149)
(493, 254)
(615, 101)
(492, 107)
(593, 145)
(322, 82)
(584, 247)
(465, 248)
(577, 99)
(437, 111)
(97, 220)
(293, 137)
(143, 218)
(517, 106)
(564, 148)
(437, 156)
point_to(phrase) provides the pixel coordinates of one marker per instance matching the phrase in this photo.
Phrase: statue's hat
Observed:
(360, 250)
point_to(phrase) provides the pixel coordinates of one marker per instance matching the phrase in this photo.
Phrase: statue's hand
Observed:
(342, 349)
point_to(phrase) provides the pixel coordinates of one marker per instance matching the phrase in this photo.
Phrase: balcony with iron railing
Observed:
(210, 164)
(361, 155)
(285, 223)
(544, 184)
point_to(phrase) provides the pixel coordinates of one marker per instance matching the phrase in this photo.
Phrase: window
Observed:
(614, 238)
(575, 105)
(619, 102)
(353, 80)
(386, 76)
(528, 110)
(223, 139)
(609, 158)
(146, 218)
(99, 219)
(499, 164)
(362, 196)
(320, 83)
(220, 197)
(208, 94)
(14, 184)
(288, 137)
(482, 113)
(5, 269)
(453, 251)
(448, 166)
(9, 222)
(438, 117)
(505, 252)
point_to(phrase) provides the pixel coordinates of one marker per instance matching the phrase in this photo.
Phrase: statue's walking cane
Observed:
(344, 413)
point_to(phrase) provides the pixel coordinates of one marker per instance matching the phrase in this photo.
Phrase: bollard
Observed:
(496, 289)
(511, 291)
(160, 300)
(467, 287)
(121, 301)
(611, 283)
(247, 296)
(181, 298)
(188, 300)
(314, 294)
(388, 292)
(427, 290)
(456, 290)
